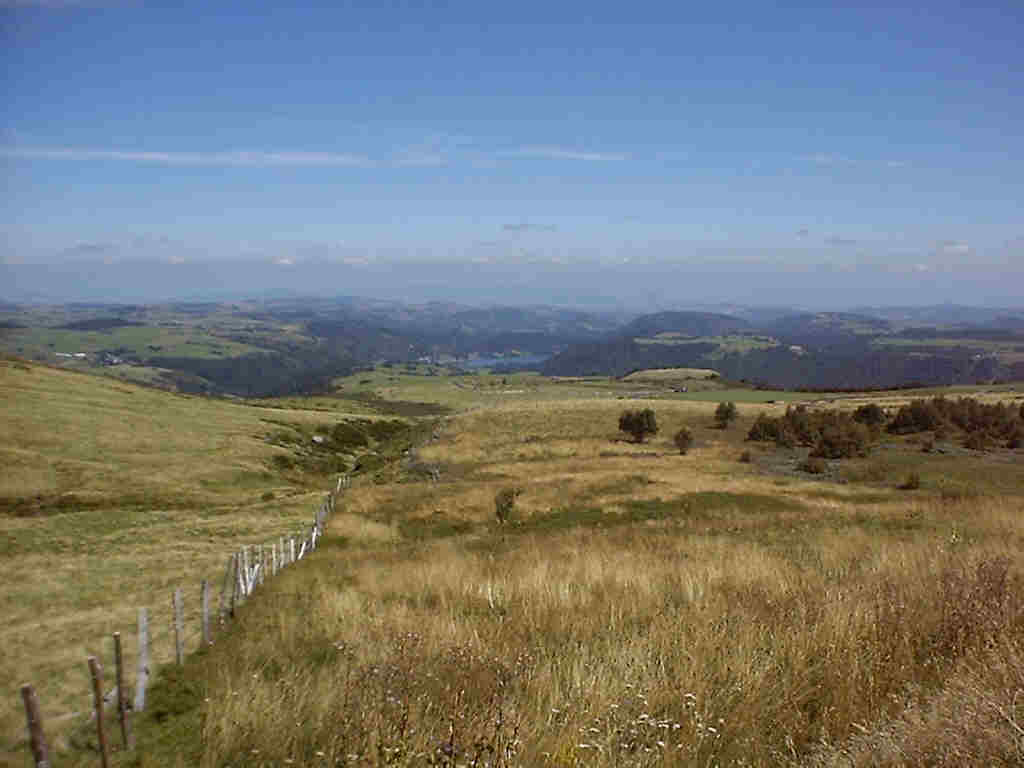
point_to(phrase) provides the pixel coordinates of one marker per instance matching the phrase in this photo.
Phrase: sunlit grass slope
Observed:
(111, 495)
(640, 608)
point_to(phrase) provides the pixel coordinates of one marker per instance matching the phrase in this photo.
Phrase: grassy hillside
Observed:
(111, 495)
(638, 607)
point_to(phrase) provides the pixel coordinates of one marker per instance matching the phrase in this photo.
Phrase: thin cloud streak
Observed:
(562, 153)
(240, 158)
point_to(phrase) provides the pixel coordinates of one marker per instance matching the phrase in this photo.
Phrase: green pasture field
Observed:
(143, 342)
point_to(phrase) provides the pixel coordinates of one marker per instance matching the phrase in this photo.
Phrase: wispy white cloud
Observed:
(524, 226)
(829, 159)
(561, 153)
(952, 248)
(239, 158)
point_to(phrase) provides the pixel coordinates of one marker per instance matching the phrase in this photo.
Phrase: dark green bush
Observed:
(683, 440)
(725, 414)
(843, 441)
(345, 435)
(870, 415)
(831, 434)
(639, 424)
(764, 429)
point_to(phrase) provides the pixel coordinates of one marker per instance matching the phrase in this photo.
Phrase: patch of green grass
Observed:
(850, 498)
(697, 505)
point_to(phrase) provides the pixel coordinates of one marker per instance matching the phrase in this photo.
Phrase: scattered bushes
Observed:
(830, 434)
(638, 424)
(842, 441)
(966, 413)
(683, 440)
(870, 415)
(725, 414)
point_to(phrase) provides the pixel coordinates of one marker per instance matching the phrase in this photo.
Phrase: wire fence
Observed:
(180, 622)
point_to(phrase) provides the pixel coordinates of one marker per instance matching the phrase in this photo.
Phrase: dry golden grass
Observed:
(111, 496)
(644, 608)
(640, 608)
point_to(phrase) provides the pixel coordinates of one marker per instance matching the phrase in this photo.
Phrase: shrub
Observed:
(268, 496)
(763, 429)
(928, 446)
(725, 414)
(832, 434)
(842, 441)
(912, 483)
(918, 416)
(745, 457)
(870, 415)
(977, 441)
(346, 436)
(505, 503)
(639, 424)
(683, 440)
(814, 465)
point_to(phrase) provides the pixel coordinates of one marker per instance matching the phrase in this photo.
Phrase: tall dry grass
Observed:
(605, 647)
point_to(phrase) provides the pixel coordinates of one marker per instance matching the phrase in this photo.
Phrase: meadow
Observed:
(112, 495)
(637, 607)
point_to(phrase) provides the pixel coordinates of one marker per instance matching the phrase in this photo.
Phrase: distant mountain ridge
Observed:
(687, 323)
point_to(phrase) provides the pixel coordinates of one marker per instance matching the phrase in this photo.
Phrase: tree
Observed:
(639, 424)
(683, 440)
(725, 414)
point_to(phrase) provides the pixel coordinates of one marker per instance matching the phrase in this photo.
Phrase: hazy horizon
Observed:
(645, 288)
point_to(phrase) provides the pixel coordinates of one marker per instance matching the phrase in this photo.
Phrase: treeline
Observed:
(622, 355)
(258, 375)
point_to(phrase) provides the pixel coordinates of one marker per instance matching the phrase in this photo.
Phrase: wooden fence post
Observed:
(235, 565)
(204, 601)
(122, 703)
(142, 675)
(291, 556)
(36, 739)
(96, 672)
(179, 629)
(273, 558)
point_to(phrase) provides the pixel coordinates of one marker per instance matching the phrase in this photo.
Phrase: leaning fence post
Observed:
(96, 671)
(142, 675)
(204, 601)
(122, 704)
(221, 606)
(179, 629)
(36, 739)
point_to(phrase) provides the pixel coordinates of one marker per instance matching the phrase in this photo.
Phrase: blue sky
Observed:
(552, 137)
